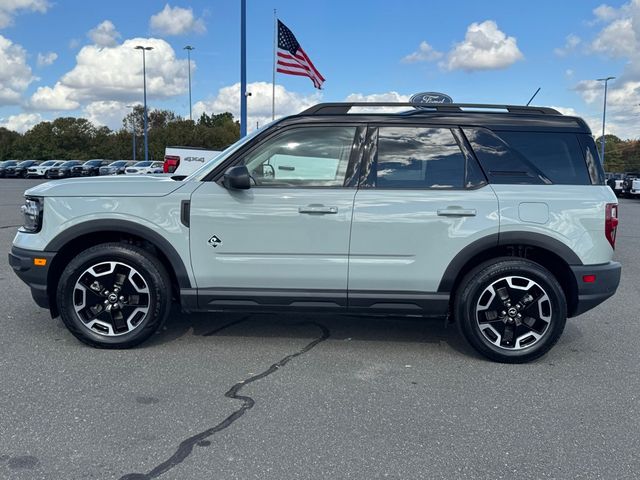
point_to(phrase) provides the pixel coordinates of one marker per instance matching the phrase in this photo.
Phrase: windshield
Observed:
(26, 163)
(48, 163)
(119, 163)
(70, 163)
(9, 163)
(206, 168)
(142, 164)
(93, 163)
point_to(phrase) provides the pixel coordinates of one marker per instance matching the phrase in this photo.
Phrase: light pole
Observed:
(189, 48)
(604, 113)
(144, 82)
(133, 130)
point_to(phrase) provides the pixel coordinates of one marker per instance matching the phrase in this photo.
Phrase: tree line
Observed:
(620, 155)
(70, 138)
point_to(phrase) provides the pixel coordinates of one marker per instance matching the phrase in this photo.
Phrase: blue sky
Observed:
(495, 51)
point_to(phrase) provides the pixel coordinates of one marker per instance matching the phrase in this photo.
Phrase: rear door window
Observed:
(418, 158)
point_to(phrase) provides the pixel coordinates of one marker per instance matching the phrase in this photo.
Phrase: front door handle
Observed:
(457, 212)
(319, 209)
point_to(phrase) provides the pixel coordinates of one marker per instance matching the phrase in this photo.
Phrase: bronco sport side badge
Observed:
(214, 241)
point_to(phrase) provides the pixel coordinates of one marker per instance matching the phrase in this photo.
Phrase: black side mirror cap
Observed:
(237, 178)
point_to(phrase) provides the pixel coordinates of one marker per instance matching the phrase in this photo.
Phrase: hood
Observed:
(118, 186)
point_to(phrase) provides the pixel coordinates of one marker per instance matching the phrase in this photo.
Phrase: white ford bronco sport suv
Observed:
(494, 216)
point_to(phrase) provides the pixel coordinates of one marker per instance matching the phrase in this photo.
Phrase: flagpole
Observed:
(273, 80)
(243, 68)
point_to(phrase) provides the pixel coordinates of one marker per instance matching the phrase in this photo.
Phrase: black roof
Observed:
(497, 117)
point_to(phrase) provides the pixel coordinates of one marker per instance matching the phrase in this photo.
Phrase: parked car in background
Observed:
(89, 168)
(627, 183)
(186, 160)
(614, 180)
(6, 164)
(635, 188)
(20, 170)
(41, 170)
(92, 167)
(144, 167)
(63, 170)
(116, 168)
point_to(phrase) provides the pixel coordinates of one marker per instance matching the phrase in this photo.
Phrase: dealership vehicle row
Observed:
(75, 168)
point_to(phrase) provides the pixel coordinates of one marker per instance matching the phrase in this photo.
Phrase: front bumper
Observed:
(592, 294)
(22, 262)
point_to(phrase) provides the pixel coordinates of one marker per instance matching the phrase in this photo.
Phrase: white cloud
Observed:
(618, 39)
(104, 35)
(9, 8)
(107, 112)
(570, 44)
(176, 21)
(425, 53)
(485, 47)
(605, 13)
(258, 104)
(115, 74)
(15, 73)
(46, 59)
(21, 122)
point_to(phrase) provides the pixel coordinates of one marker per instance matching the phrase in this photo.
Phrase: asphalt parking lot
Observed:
(284, 397)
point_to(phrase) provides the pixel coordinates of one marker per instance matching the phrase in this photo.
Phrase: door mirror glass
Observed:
(237, 178)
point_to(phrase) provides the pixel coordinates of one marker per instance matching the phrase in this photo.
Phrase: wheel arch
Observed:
(546, 251)
(84, 235)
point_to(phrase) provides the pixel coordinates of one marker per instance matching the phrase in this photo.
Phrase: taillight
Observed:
(611, 223)
(171, 163)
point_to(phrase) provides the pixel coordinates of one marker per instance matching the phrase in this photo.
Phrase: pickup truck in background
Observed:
(186, 160)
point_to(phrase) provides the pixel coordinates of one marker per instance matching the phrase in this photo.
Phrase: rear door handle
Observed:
(457, 212)
(320, 209)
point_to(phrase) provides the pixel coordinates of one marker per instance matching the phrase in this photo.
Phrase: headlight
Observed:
(32, 212)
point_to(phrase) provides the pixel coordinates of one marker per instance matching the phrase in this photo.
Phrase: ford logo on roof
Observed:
(430, 97)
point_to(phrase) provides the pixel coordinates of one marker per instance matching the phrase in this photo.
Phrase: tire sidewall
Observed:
(153, 274)
(475, 284)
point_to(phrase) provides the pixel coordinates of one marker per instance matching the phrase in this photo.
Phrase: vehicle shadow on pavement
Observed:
(391, 329)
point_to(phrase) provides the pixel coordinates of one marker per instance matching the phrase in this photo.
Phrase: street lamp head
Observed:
(605, 79)
(189, 47)
(140, 47)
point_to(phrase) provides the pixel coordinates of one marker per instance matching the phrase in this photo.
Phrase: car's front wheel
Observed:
(511, 310)
(114, 295)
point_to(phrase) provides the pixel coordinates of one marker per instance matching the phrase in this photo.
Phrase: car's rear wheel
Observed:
(511, 310)
(114, 295)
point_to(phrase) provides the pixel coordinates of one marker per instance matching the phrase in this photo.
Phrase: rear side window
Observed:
(416, 158)
(530, 157)
(557, 155)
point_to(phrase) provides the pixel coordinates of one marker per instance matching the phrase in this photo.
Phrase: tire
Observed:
(87, 286)
(510, 310)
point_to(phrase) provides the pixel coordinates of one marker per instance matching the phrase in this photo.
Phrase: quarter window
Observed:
(303, 157)
(417, 158)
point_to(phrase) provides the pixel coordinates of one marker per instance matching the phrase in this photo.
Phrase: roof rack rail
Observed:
(345, 107)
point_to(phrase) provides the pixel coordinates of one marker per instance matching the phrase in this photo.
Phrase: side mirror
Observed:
(237, 178)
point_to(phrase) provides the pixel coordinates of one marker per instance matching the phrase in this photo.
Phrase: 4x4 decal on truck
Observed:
(214, 241)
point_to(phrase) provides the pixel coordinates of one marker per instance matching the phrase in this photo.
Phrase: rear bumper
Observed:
(592, 294)
(21, 260)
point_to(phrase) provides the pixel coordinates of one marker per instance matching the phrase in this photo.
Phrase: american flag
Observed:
(291, 57)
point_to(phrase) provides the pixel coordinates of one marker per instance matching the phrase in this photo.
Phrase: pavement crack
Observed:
(9, 226)
(186, 446)
(227, 325)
